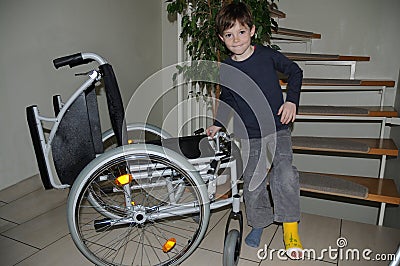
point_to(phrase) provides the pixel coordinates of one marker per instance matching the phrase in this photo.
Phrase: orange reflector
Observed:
(123, 179)
(130, 141)
(169, 245)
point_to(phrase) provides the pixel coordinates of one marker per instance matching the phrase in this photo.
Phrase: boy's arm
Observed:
(294, 74)
(226, 100)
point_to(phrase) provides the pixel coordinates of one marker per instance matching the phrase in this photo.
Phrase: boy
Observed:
(235, 28)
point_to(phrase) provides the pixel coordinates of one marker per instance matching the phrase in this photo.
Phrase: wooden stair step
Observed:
(343, 82)
(365, 111)
(324, 57)
(368, 146)
(275, 13)
(357, 187)
(379, 190)
(294, 33)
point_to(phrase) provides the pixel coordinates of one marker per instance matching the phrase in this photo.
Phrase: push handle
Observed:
(71, 60)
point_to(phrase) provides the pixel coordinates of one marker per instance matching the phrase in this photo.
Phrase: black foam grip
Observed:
(70, 60)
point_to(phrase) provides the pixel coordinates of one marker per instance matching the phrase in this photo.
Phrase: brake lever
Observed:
(199, 131)
(84, 73)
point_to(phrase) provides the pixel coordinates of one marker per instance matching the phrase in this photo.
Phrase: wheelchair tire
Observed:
(231, 248)
(137, 133)
(165, 192)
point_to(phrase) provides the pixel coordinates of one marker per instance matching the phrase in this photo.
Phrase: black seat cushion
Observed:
(192, 147)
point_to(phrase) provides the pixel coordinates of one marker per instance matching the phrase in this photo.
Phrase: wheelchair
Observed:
(138, 196)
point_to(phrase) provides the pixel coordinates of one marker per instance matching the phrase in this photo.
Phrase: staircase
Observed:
(361, 189)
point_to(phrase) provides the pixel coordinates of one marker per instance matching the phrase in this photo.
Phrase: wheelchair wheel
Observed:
(231, 248)
(145, 219)
(137, 133)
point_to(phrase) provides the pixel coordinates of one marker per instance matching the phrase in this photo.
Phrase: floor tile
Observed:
(33, 231)
(42, 230)
(216, 217)
(6, 225)
(61, 253)
(12, 251)
(205, 256)
(21, 189)
(32, 205)
(215, 239)
(245, 262)
(316, 232)
(359, 237)
(286, 261)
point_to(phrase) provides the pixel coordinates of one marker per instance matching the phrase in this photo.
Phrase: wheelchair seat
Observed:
(191, 147)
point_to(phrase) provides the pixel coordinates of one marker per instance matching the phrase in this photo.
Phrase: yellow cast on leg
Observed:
(291, 238)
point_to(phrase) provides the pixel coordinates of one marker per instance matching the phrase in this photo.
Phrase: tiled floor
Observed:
(33, 231)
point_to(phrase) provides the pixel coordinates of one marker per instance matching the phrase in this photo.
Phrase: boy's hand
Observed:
(287, 112)
(212, 130)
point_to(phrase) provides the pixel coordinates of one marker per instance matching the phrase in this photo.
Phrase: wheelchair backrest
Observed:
(79, 136)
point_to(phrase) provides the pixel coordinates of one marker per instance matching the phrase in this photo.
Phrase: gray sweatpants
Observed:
(283, 180)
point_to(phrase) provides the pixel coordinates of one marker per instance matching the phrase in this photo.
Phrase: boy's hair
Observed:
(231, 13)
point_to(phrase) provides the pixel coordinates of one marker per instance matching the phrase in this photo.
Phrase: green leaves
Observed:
(198, 25)
(176, 6)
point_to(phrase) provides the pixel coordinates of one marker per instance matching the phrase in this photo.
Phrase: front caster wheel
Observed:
(232, 248)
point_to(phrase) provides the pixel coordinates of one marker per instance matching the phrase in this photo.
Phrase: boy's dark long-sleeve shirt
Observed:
(256, 110)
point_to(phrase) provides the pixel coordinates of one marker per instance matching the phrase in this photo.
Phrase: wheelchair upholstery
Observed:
(192, 147)
(78, 138)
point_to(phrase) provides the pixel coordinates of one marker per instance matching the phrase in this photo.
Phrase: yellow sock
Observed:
(292, 241)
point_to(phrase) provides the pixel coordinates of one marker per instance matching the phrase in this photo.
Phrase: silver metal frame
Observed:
(46, 144)
(202, 164)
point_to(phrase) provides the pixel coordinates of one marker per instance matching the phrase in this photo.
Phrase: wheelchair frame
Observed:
(93, 157)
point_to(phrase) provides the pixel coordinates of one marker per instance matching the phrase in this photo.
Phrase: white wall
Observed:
(125, 32)
(170, 59)
(355, 27)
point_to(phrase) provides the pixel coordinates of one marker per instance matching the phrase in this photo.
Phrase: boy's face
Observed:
(238, 38)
